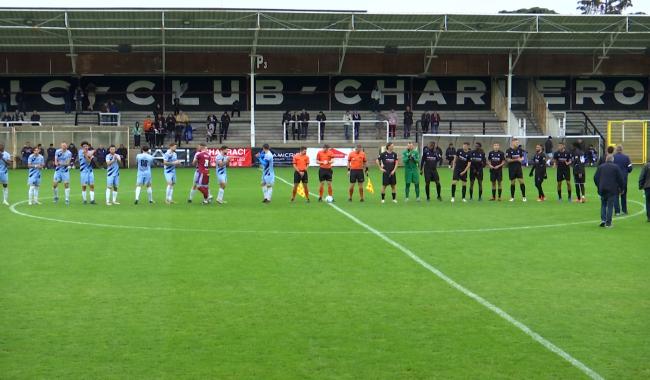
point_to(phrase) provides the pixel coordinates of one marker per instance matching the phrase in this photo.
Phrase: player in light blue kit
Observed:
(144, 161)
(62, 159)
(86, 172)
(5, 161)
(170, 162)
(113, 161)
(35, 163)
(265, 158)
(222, 162)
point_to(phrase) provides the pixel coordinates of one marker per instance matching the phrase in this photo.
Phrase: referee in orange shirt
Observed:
(357, 164)
(324, 158)
(300, 164)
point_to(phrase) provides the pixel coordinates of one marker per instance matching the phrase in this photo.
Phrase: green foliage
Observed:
(603, 6)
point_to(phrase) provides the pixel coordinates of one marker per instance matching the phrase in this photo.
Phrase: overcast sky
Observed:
(375, 6)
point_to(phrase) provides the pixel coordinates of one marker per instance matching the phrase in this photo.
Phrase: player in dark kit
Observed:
(562, 162)
(431, 158)
(578, 163)
(478, 162)
(514, 158)
(496, 160)
(460, 168)
(539, 170)
(387, 163)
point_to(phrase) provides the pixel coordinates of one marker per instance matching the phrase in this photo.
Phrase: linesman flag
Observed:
(301, 190)
(369, 187)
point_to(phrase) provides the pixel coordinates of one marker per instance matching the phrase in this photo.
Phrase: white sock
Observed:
(83, 195)
(5, 194)
(92, 195)
(56, 192)
(36, 193)
(137, 193)
(150, 194)
(192, 193)
(171, 193)
(269, 191)
(30, 193)
(264, 192)
(114, 196)
(108, 195)
(220, 194)
(168, 193)
(67, 194)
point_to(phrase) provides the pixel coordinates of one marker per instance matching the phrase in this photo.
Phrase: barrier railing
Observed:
(349, 124)
(8, 124)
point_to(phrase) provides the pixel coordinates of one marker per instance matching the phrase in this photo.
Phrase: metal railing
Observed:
(8, 124)
(349, 124)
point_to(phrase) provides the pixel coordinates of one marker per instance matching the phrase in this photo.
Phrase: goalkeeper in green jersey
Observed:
(411, 159)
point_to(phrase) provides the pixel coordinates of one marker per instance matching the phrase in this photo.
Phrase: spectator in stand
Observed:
(347, 124)
(35, 117)
(50, 157)
(211, 127)
(425, 121)
(147, 125)
(321, 118)
(435, 122)
(375, 97)
(295, 129)
(356, 116)
(100, 156)
(20, 100)
(223, 129)
(235, 108)
(4, 100)
(78, 99)
(159, 128)
(157, 110)
(18, 116)
(91, 90)
(123, 152)
(392, 124)
(112, 108)
(137, 132)
(170, 124)
(178, 132)
(6, 117)
(183, 120)
(304, 125)
(625, 165)
(286, 124)
(26, 152)
(450, 154)
(408, 122)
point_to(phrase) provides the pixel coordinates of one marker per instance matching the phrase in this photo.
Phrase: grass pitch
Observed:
(293, 291)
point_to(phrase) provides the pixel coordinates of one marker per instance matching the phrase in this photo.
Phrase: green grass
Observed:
(247, 297)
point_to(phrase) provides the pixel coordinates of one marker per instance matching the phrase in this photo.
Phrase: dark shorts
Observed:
(431, 175)
(496, 175)
(324, 175)
(563, 174)
(459, 177)
(297, 178)
(579, 175)
(515, 172)
(475, 174)
(356, 175)
(389, 179)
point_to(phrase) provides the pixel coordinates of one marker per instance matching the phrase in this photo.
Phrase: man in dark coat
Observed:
(609, 182)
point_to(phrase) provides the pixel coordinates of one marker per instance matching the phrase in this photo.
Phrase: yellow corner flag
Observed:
(301, 190)
(369, 187)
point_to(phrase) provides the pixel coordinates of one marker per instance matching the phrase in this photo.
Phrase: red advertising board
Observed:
(239, 157)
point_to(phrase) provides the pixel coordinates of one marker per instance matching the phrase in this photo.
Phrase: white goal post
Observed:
(374, 123)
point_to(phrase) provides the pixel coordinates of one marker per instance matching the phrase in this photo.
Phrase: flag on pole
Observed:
(369, 187)
(301, 190)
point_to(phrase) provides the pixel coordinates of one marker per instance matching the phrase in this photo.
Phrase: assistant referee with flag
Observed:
(300, 176)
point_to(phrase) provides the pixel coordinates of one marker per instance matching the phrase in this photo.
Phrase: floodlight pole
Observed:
(252, 98)
(509, 90)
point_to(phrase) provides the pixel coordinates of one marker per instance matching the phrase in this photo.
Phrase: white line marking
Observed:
(495, 309)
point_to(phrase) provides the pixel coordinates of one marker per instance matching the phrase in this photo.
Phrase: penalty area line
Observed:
(482, 301)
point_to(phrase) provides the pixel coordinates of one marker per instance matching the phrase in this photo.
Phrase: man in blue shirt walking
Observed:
(625, 165)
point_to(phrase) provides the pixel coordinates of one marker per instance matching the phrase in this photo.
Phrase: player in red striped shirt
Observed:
(202, 174)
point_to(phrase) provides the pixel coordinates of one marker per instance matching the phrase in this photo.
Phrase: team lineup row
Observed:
(466, 163)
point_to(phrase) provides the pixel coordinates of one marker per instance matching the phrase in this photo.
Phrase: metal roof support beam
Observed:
(607, 45)
(434, 45)
(164, 45)
(73, 57)
(256, 36)
(344, 47)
